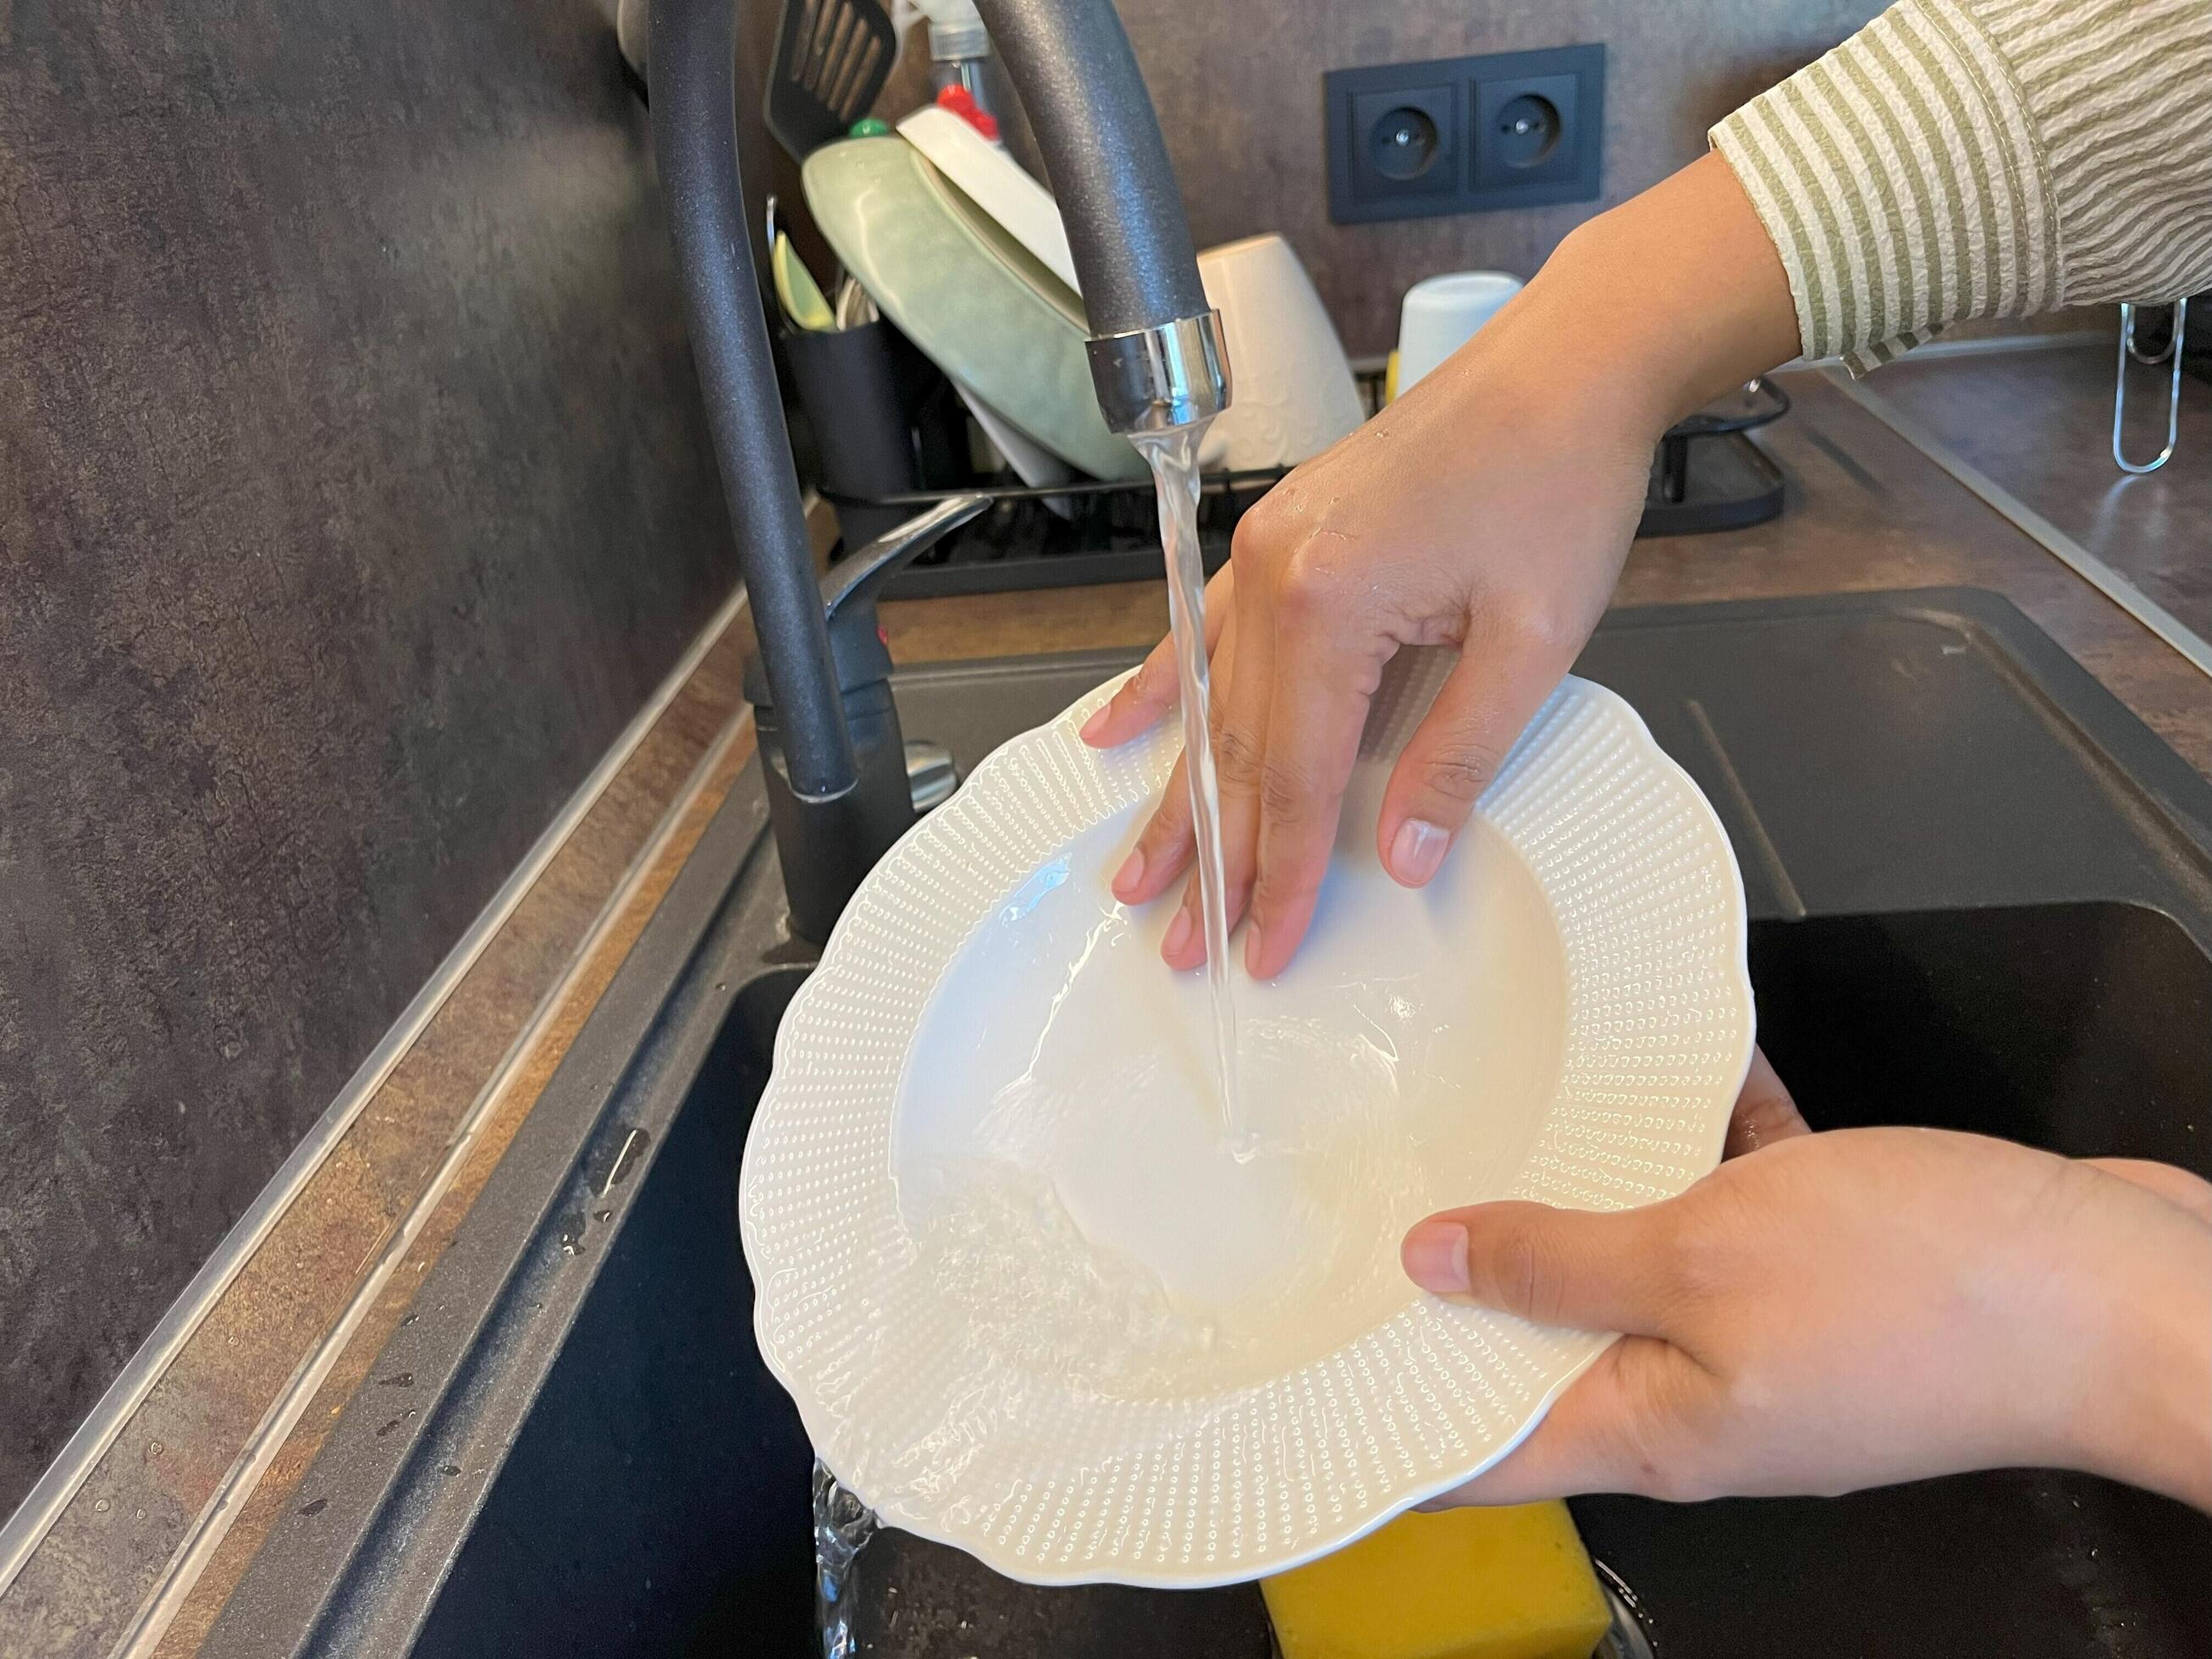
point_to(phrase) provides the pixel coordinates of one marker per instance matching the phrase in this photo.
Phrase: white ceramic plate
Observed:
(996, 183)
(1028, 1303)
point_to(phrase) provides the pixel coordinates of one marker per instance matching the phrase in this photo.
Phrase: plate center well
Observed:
(1058, 1150)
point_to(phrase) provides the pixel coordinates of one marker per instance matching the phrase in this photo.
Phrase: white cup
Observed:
(1292, 391)
(1440, 314)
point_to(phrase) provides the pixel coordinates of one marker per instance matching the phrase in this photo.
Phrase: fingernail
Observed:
(1252, 949)
(1096, 723)
(1435, 1254)
(1178, 935)
(1131, 872)
(1416, 851)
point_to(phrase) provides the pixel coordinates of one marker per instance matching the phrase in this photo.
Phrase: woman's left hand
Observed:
(1825, 1312)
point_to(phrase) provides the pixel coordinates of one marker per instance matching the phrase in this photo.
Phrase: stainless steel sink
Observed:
(602, 1465)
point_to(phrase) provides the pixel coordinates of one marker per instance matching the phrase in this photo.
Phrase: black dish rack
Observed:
(1706, 476)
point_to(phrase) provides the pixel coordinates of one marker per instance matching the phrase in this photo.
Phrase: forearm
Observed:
(1965, 158)
(1650, 311)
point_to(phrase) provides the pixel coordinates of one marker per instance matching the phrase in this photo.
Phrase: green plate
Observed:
(978, 304)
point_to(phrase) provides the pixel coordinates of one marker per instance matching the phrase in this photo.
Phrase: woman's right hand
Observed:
(1463, 514)
(1490, 508)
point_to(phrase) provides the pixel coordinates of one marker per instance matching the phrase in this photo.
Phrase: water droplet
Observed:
(603, 1215)
(626, 1159)
(397, 1380)
(138, 1514)
(315, 1508)
(101, 1507)
(449, 1468)
(410, 1319)
(153, 1449)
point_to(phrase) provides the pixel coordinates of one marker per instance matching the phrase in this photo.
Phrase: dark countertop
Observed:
(1865, 511)
(2039, 423)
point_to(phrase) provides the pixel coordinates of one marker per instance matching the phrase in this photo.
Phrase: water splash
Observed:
(842, 1526)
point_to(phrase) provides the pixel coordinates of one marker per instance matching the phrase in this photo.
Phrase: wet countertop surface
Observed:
(1866, 511)
(2040, 424)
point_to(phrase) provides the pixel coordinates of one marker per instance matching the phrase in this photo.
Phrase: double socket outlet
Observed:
(1459, 135)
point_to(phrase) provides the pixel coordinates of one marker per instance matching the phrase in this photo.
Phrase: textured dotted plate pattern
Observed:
(1051, 1482)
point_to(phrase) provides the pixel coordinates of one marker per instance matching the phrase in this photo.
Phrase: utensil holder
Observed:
(864, 390)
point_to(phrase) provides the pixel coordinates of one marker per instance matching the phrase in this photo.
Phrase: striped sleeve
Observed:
(1984, 158)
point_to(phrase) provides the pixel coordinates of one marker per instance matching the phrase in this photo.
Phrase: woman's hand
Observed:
(1833, 1312)
(1462, 515)
(1490, 510)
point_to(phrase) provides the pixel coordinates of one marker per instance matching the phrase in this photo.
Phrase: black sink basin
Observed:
(658, 1497)
(603, 1466)
(2085, 1028)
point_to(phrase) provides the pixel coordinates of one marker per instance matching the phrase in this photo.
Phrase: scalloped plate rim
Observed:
(1019, 1569)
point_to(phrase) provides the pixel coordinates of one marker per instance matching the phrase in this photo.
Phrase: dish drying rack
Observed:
(1706, 476)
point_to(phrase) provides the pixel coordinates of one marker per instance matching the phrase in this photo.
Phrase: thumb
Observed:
(1591, 1270)
(1456, 751)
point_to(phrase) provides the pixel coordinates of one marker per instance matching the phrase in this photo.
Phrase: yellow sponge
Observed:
(1469, 1584)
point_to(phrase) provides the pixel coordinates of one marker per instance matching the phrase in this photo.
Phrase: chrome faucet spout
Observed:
(1157, 359)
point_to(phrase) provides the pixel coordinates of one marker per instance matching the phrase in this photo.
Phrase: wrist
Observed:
(1655, 308)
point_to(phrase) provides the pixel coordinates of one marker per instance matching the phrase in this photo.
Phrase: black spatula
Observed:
(832, 57)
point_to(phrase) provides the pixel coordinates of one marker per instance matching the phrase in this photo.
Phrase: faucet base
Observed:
(828, 845)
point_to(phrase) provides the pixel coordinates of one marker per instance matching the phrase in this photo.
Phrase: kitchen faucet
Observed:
(829, 741)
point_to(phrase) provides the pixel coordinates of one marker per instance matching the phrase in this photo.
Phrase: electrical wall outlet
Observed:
(1463, 135)
(1407, 142)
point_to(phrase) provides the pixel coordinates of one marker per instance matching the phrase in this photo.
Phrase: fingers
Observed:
(1590, 1270)
(2176, 1186)
(1240, 742)
(1152, 691)
(1313, 739)
(1764, 1112)
(1165, 846)
(1502, 679)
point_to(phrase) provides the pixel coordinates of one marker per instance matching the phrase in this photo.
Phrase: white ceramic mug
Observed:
(1440, 314)
(1292, 391)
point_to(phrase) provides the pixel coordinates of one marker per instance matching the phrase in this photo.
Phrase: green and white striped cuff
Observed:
(1901, 180)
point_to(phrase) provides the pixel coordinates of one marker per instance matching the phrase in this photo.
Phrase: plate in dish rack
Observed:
(1030, 1299)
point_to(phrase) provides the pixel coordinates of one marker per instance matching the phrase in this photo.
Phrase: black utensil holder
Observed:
(879, 410)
